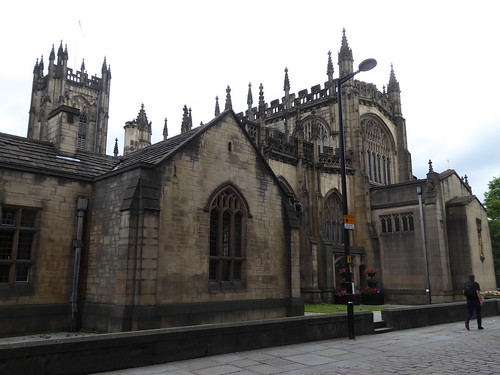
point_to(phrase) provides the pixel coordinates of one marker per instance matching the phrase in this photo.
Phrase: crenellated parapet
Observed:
(83, 79)
(317, 96)
(370, 95)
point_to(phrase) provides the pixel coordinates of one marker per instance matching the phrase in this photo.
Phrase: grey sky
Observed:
(170, 54)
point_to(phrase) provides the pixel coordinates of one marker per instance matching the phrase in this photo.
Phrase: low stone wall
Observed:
(113, 351)
(426, 315)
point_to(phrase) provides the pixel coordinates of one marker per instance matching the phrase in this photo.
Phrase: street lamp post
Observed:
(365, 65)
(424, 245)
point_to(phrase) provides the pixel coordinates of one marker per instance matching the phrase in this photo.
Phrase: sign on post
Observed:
(348, 222)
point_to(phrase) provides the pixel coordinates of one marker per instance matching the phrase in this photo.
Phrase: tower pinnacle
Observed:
(345, 57)
(229, 104)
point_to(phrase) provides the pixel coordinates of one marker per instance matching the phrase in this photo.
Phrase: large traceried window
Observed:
(227, 236)
(333, 219)
(378, 152)
(17, 234)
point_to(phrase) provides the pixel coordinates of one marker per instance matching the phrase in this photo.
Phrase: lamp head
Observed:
(367, 65)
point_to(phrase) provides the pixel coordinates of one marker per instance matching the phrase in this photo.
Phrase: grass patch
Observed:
(326, 308)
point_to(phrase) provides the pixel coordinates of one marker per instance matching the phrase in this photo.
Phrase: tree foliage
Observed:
(492, 203)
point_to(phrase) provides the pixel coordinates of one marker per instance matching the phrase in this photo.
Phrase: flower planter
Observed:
(372, 298)
(342, 300)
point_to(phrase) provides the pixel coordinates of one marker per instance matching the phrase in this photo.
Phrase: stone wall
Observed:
(50, 277)
(149, 260)
(107, 352)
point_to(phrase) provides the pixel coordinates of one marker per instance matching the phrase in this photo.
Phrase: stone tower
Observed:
(69, 108)
(137, 132)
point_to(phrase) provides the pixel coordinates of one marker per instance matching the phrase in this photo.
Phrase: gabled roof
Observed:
(158, 152)
(37, 156)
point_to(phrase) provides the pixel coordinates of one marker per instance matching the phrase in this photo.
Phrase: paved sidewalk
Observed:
(438, 350)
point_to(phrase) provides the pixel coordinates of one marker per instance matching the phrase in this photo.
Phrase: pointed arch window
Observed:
(379, 150)
(227, 237)
(333, 219)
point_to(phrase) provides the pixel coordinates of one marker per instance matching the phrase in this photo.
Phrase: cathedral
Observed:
(240, 218)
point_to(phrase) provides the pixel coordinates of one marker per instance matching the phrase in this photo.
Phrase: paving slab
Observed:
(441, 349)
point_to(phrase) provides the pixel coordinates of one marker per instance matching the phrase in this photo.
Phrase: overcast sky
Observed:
(167, 54)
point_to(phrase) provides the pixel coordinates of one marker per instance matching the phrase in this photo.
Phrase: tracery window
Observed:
(397, 223)
(314, 128)
(17, 234)
(227, 236)
(378, 152)
(333, 219)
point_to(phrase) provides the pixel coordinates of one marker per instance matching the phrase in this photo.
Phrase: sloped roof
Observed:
(460, 201)
(160, 151)
(157, 152)
(22, 153)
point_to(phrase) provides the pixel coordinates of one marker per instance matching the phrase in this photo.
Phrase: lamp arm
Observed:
(347, 77)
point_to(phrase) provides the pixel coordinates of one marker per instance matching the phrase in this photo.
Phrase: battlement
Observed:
(368, 93)
(83, 79)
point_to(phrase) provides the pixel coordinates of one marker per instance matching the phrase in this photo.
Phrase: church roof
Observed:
(23, 153)
(160, 151)
(38, 156)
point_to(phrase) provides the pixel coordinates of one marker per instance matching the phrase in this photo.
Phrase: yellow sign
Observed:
(348, 222)
(348, 219)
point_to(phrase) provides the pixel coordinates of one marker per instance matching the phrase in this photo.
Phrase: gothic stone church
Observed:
(237, 219)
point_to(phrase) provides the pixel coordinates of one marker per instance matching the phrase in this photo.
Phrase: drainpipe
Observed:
(81, 207)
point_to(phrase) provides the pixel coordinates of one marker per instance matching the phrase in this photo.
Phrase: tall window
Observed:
(82, 132)
(334, 219)
(17, 233)
(378, 152)
(227, 235)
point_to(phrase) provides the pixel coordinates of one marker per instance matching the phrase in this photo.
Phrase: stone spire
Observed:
(115, 151)
(345, 57)
(262, 104)
(186, 122)
(329, 65)
(52, 55)
(142, 120)
(229, 104)
(394, 93)
(329, 73)
(250, 102)
(165, 130)
(286, 86)
(249, 96)
(62, 55)
(217, 108)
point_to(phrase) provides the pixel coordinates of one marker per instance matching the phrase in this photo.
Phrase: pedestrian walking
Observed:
(472, 290)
